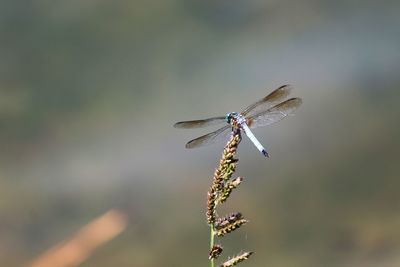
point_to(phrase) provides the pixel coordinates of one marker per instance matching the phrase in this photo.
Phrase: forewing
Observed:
(275, 113)
(210, 138)
(199, 123)
(277, 96)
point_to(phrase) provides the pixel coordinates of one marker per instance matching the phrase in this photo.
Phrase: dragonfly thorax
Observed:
(235, 119)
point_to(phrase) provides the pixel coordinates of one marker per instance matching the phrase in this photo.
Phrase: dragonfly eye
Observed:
(229, 117)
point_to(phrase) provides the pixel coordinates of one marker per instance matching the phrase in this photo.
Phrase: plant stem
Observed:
(212, 234)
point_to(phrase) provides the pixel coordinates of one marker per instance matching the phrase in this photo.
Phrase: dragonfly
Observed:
(266, 111)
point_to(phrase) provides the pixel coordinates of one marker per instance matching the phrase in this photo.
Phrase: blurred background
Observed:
(89, 91)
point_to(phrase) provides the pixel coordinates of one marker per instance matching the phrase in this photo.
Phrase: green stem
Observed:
(212, 234)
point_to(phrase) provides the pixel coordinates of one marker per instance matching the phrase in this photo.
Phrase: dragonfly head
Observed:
(230, 116)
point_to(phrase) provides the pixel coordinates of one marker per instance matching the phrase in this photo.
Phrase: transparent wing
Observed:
(199, 123)
(210, 138)
(275, 113)
(277, 96)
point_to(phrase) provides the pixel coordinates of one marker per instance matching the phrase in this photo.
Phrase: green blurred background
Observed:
(89, 91)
